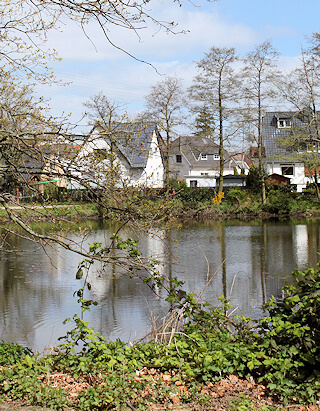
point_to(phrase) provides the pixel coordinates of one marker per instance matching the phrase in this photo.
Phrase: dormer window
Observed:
(284, 123)
(203, 157)
(216, 157)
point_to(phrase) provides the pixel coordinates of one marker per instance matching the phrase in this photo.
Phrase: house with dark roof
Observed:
(196, 160)
(131, 155)
(280, 158)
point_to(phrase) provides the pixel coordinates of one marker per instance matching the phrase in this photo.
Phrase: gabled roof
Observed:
(193, 146)
(241, 159)
(271, 134)
(132, 140)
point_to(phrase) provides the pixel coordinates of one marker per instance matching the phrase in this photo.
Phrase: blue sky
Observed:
(94, 66)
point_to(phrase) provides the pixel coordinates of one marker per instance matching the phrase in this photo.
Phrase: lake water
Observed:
(250, 261)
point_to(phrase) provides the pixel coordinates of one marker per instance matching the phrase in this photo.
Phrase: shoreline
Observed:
(186, 214)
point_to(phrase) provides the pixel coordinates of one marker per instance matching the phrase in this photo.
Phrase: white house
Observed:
(279, 158)
(196, 160)
(131, 156)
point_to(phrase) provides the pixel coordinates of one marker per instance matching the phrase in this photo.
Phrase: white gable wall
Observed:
(153, 173)
(151, 176)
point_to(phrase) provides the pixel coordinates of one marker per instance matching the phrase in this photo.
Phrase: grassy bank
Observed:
(243, 203)
(203, 358)
(202, 203)
(60, 211)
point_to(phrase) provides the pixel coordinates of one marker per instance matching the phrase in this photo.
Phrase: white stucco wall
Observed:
(298, 176)
(201, 181)
(153, 174)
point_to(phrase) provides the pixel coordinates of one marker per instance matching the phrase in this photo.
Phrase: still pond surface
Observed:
(37, 285)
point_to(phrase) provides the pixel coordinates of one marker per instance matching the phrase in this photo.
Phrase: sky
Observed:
(90, 65)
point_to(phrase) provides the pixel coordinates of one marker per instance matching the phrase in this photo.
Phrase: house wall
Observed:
(178, 170)
(201, 181)
(201, 173)
(298, 176)
(153, 174)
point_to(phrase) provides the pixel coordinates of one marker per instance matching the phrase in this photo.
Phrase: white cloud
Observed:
(202, 29)
(93, 65)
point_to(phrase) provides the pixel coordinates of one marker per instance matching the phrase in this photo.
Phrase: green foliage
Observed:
(278, 203)
(281, 350)
(194, 195)
(243, 403)
(291, 337)
(11, 353)
(235, 195)
(253, 179)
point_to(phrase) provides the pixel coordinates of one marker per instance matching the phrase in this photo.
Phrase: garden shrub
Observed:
(195, 195)
(282, 350)
(278, 203)
(253, 179)
(235, 194)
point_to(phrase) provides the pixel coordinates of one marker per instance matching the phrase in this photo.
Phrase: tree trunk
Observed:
(260, 154)
(221, 165)
(167, 164)
(315, 177)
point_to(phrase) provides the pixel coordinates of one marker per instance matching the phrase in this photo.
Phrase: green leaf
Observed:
(28, 361)
(79, 274)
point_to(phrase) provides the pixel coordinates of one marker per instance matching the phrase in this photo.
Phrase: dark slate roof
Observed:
(133, 141)
(272, 135)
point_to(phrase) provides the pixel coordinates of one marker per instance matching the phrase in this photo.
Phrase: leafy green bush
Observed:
(253, 179)
(278, 203)
(11, 354)
(234, 195)
(281, 350)
(194, 195)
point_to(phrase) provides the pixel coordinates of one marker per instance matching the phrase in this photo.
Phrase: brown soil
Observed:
(229, 394)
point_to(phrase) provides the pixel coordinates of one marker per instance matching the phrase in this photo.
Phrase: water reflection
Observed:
(247, 262)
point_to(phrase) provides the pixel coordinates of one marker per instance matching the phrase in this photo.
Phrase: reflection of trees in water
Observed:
(258, 260)
(126, 305)
(25, 289)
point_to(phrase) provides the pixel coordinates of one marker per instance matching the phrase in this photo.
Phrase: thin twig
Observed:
(208, 282)
(233, 281)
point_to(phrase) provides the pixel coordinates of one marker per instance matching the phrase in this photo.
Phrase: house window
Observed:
(203, 157)
(287, 170)
(216, 157)
(284, 123)
(193, 183)
(204, 174)
(178, 158)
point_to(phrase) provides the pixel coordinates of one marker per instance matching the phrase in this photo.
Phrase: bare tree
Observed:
(259, 74)
(25, 24)
(165, 104)
(216, 86)
(26, 131)
(108, 116)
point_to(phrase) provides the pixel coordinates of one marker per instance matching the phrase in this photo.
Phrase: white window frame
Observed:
(203, 157)
(216, 157)
(284, 123)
